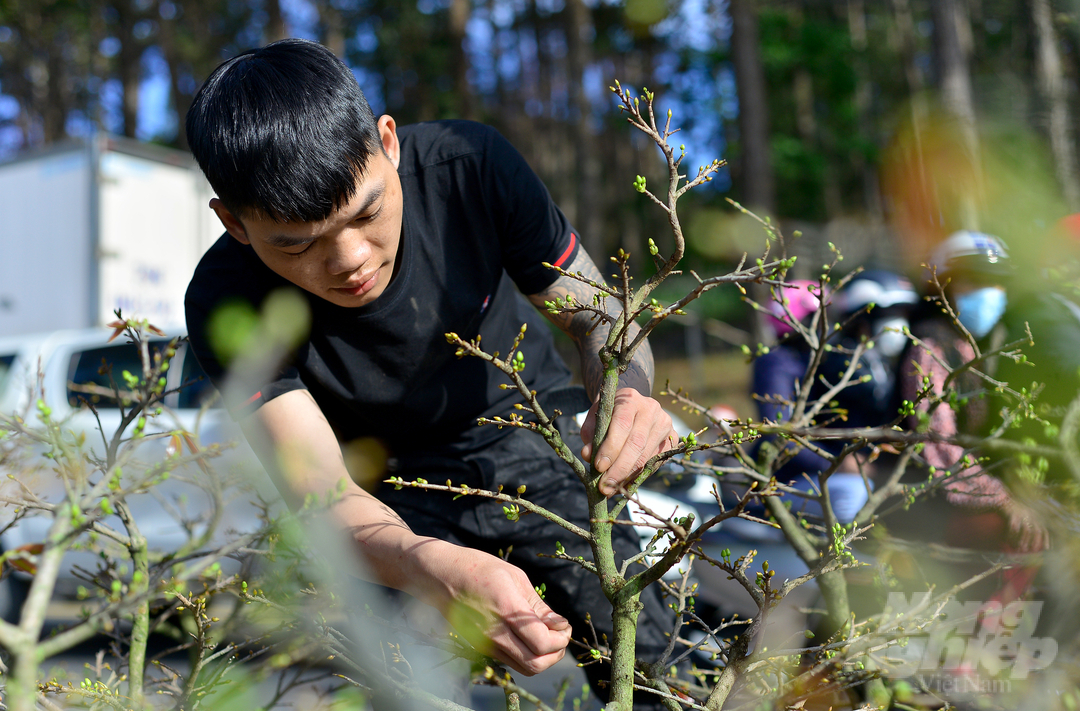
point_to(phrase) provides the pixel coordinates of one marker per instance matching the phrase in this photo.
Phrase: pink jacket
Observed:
(972, 488)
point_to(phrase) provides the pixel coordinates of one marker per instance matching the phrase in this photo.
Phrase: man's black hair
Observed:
(283, 131)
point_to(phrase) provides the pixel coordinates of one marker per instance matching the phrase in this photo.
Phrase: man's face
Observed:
(349, 258)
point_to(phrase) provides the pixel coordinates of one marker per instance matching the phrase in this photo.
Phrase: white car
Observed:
(47, 366)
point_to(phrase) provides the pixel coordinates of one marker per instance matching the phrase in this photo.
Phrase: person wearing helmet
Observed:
(977, 510)
(976, 266)
(874, 306)
(775, 385)
(776, 373)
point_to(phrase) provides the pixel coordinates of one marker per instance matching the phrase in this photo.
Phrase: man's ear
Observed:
(232, 224)
(388, 135)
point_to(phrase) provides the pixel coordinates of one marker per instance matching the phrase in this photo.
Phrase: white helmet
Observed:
(882, 288)
(970, 252)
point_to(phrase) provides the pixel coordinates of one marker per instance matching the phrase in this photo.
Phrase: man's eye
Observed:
(369, 218)
(297, 254)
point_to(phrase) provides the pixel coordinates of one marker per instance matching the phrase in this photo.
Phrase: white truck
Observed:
(90, 226)
(51, 366)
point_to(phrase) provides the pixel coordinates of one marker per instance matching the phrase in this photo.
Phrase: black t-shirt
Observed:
(476, 220)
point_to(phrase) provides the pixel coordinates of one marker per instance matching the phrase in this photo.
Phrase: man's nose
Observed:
(349, 253)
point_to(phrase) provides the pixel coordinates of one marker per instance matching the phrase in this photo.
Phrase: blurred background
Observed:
(877, 126)
(880, 126)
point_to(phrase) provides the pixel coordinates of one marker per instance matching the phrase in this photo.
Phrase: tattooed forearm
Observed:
(589, 333)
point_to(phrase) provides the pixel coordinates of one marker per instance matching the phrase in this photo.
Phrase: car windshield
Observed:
(96, 372)
(6, 362)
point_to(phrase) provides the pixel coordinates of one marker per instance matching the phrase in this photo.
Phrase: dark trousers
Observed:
(524, 458)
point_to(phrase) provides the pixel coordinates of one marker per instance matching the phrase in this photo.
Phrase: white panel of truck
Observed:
(46, 264)
(211, 228)
(151, 234)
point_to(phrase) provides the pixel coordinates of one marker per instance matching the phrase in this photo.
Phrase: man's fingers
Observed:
(529, 665)
(531, 643)
(618, 436)
(494, 605)
(528, 640)
(639, 430)
(533, 635)
(639, 447)
(537, 638)
(588, 429)
(552, 619)
(670, 441)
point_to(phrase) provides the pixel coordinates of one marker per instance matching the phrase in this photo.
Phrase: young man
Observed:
(396, 237)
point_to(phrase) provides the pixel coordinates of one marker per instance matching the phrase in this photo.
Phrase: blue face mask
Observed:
(981, 309)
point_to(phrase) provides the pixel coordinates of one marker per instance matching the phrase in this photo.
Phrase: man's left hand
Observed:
(639, 430)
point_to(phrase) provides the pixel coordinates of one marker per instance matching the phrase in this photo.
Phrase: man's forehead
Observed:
(367, 192)
(367, 186)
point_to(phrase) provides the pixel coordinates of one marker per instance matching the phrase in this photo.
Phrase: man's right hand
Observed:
(490, 602)
(494, 606)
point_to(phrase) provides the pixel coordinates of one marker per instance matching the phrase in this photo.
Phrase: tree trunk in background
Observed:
(918, 221)
(586, 163)
(549, 150)
(180, 102)
(857, 30)
(275, 28)
(130, 64)
(952, 48)
(802, 89)
(97, 64)
(808, 128)
(758, 182)
(54, 111)
(905, 32)
(1054, 113)
(757, 178)
(459, 20)
(502, 92)
(332, 26)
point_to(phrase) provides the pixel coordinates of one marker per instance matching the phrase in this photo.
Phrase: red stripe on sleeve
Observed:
(573, 243)
(253, 398)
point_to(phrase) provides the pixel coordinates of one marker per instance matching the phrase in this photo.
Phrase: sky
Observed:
(693, 30)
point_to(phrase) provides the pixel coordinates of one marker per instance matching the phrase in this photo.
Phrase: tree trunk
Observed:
(459, 20)
(857, 30)
(905, 30)
(952, 48)
(275, 28)
(54, 112)
(920, 222)
(1054, 113)
(130, 68)
(547, 150)
(757, 178)
(333, 30)
(587, 164)
(758, 182)
(180, 102)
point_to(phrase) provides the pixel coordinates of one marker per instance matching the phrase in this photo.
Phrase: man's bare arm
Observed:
(639, 426)
(297, 446)
(583, 328)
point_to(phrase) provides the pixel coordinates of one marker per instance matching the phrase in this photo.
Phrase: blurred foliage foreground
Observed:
(257, 614)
